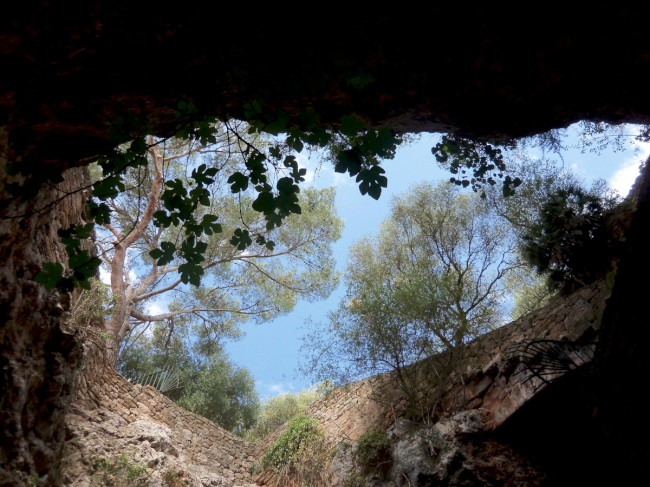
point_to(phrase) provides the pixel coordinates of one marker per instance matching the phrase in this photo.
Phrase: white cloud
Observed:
(104, 275)
(156, 307)
(577, 169)
(321, 173)
(275, 389)
(341, 179)
(624, 177)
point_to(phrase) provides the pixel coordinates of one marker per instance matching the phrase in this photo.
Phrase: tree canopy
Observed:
(155, 253)
(430, 281)
(208, 384)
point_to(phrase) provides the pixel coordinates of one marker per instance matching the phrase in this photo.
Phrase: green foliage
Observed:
(118, 472)
(286, 451)
(353, 148)
(477, 163)
(480, 163)
(224, 394)
(570, 243)
(528, 209)
(129, 152)
(374, 450)
(249, 271)
(531, 292)
(298, 455)
(355, 480)
(429, 282)
(279, 410)
(240, 284)
(357, 150)
(89, 307)
(157, 350)
(212, 385)
(82, 265)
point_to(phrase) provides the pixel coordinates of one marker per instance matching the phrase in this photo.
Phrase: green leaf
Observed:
(84, 231)
(100, 213)
(156, 253)
(349, 161)
(210, 225)
(83, 284)
(50, 275)
(161, 219)
(374, 191)
(279, 125)
(238, 182)
(361, 80)
(83, 265)
(241, 239)
(294, 141)
(164, 254)
(351, 125)
(108, 187)
(190, 273)
(264, 203)
(286, 185)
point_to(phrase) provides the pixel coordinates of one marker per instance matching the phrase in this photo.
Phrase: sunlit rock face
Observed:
(114, 423)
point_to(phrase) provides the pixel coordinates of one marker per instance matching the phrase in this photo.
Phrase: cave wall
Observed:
(39, 356)
(485, 71)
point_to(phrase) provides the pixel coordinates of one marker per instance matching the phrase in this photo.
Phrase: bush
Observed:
(279, 410)
(299, 454)
(355, 480)
(118, 472)
(374, 451)
(571, 244)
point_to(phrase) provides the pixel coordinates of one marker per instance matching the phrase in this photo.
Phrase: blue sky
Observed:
(271, 350)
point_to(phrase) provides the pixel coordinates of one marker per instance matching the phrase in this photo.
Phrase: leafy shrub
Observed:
(118, 472)
(298, 455)
(373, 450)
(571, 243)
(355, 480)
(278, 410)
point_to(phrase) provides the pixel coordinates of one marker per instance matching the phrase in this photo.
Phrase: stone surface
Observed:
(485, 71)
(39, 355)
(112, 417)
